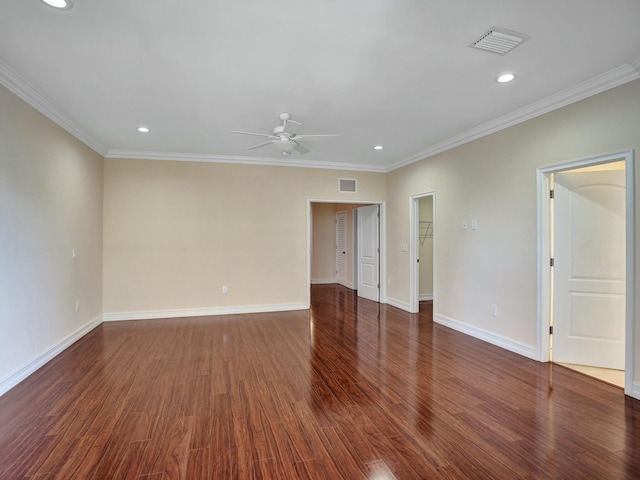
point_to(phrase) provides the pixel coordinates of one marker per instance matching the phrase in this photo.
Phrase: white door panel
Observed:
(368, 253)
(589, 269)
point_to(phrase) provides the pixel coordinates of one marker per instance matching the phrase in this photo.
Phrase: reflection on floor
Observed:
(614, 377)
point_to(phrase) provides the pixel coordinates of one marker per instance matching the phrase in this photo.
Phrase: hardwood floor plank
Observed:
(347, 390)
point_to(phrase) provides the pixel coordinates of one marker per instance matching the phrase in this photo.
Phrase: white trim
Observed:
(20, 88)
(19, 374)
(544, 284)
(200, 312)
(601, 83)
(398, 304)
(520, 348)
(608, 80)
(242, 160)
(425, 297)
(323, 281)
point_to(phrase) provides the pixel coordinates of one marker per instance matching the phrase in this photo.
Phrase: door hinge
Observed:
(551, 193)
(551, 330)
(551, 262)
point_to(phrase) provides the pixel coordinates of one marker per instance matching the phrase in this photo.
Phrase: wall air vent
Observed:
(347, 185)
(499, 40)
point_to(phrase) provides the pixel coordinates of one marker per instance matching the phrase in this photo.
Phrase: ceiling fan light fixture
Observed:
(60, 4)
(143, 129)
(378, 147)
(285, 146)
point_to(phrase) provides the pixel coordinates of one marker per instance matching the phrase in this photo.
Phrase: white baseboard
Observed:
(198, 312)
(18, 375)
(489, 337)
(398, 304)
(323, 281)
(425, 297)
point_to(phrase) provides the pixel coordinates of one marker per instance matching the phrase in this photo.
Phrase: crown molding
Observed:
(241, 160)
(606, 81)
(21, 88)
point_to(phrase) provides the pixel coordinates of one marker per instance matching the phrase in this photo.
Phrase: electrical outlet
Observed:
(74, 253)
(494, 310)
(77, 305)
(225, 289)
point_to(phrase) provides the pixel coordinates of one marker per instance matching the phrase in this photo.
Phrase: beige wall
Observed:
(50, 203)
(493, 180)
(176, 232)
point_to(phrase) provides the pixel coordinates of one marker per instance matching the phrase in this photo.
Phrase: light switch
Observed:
(474, 224)
(464, 225)
(404, 247)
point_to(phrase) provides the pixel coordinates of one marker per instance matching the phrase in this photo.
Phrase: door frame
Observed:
(544, 249)
(414, 248)
(383, 239)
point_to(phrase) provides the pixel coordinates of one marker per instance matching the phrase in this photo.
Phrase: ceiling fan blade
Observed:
(291, 126)
(310, 137)
(256, 134)
(301, 148)
(262, 144)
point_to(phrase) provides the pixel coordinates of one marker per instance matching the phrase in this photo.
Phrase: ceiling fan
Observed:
(284, 141)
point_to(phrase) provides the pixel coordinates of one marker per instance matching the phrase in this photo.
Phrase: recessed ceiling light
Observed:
(378, 147)
(61, 4)
(506, 77)
(143, 129)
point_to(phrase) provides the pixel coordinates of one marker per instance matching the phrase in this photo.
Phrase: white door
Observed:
(341, 248)
(369, 253)
(589, 268)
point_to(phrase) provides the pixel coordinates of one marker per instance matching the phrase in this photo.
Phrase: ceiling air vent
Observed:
(347, 185)
(499, 40)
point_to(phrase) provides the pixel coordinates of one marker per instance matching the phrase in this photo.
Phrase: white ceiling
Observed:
(398, 73)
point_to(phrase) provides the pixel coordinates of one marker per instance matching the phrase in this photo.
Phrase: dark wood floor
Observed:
(349, 390)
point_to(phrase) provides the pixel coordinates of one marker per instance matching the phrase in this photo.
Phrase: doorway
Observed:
(322, 246)
(586, 227)
(422, 248)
